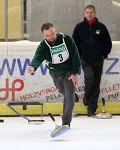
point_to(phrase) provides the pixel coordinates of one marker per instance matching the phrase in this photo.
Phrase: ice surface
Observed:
(85, 134)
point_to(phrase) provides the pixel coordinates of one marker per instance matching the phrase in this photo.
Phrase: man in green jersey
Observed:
(63, 62)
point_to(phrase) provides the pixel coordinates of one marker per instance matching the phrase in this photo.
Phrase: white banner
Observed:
(18, 85)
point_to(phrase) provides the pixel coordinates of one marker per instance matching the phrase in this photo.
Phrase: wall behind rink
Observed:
(18, 85)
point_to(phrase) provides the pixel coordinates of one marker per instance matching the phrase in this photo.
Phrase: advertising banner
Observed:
(16, 84)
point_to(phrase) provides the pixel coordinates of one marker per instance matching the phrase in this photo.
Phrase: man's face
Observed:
(50, 34)
(90, 14)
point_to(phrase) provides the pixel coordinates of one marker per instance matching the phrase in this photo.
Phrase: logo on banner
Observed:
(17, 85)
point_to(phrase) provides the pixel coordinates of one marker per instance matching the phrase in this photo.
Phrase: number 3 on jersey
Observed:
(59, 53)
(61, 58)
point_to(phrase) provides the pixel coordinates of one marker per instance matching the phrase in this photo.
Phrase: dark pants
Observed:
(92, 74)
(66, 88)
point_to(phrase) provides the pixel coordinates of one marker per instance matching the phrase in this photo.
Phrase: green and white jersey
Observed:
(59, 53)
(62, 55)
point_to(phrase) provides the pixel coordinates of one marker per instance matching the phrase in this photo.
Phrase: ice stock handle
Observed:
(103, 101)
(51, 116)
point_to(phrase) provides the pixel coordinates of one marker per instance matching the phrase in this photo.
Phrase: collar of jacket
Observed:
(91, 22)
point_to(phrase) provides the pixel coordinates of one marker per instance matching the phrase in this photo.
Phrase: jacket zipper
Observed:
(91, 41)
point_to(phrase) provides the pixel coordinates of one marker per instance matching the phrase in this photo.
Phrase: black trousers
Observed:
(66, 88)
(92, 75)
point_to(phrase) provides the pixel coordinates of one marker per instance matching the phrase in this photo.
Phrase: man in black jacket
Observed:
(94, 45)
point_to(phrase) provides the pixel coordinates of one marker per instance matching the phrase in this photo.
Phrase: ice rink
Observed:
(85, 134)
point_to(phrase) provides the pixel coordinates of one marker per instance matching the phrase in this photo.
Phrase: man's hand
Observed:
(74, 79)
(30, 69)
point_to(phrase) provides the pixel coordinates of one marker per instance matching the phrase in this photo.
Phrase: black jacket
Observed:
(93, 41)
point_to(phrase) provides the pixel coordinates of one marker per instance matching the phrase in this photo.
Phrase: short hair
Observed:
(90, 7)
(46, 26)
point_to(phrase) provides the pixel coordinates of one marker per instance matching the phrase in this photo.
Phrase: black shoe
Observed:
(91, 111)
(68, 124)
(91, 114)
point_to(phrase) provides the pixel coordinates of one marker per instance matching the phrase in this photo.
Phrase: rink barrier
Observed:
(57, 109)
(16, 83)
